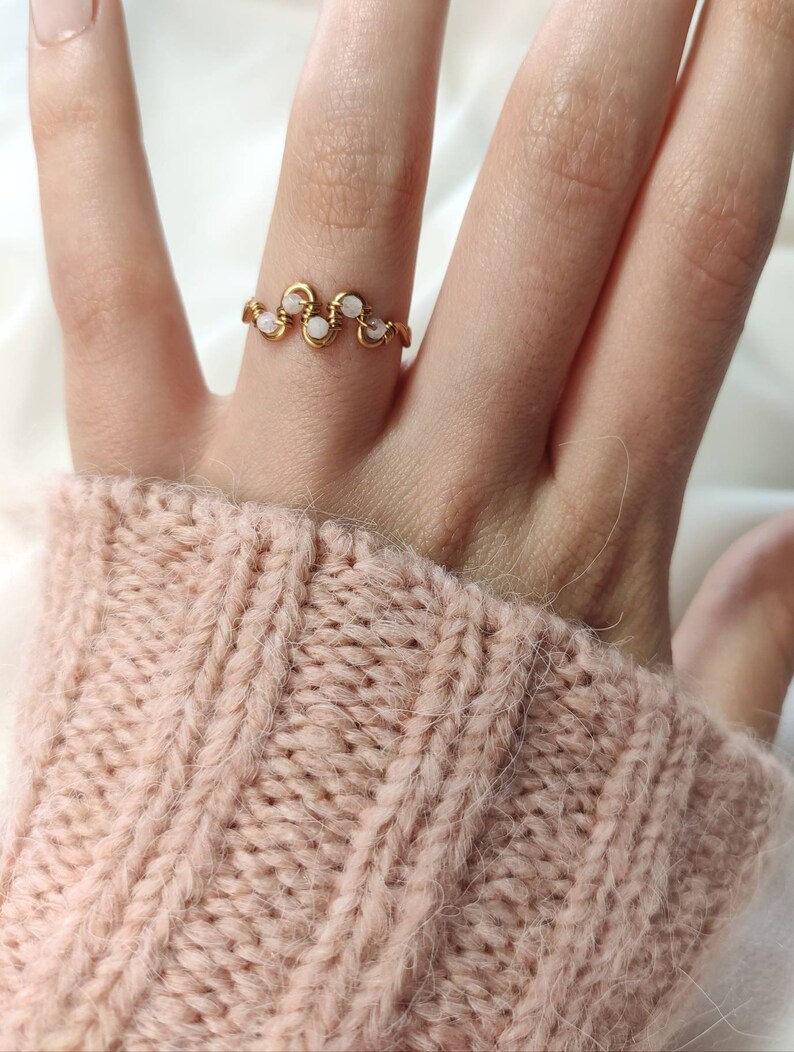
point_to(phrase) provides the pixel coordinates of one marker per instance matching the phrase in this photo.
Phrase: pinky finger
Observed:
(736, 641)
(132, 379)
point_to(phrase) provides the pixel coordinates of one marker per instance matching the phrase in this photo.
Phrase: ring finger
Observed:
(346, 217)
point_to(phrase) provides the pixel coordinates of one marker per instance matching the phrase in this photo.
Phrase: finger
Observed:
(578, 129)
(679, 294)
(736, 641)
(132, 378)
(347, 216)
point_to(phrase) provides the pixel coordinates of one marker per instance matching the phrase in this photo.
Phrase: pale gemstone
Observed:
(317, 328)
(376, 329)
(292, 303)
(267, 322)
(351, 306)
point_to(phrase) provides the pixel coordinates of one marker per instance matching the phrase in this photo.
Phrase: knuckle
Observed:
(455, 508)
(581, 131)
(354, 177)
(90, 330)
(93, 300)
(604, 565)
(55, 115)
(587, 554)
(722, 228)
(774, 16)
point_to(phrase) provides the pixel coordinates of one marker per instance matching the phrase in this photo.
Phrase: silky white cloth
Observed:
(215, 82)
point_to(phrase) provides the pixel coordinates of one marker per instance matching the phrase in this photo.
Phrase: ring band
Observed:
(300, 301)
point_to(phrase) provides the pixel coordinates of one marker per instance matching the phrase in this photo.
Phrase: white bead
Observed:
(376, 329)
(351, 306)
(292, 303)
(317, 328)
(267, 322)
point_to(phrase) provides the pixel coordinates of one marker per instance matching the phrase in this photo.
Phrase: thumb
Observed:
(736, 640)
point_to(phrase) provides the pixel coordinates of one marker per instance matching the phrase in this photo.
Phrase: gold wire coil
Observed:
(254, 310)
(310, 307)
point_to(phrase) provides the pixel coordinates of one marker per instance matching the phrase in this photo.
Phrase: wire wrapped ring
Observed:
(300, 301)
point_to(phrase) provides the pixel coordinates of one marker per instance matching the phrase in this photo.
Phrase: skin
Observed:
(623, 212)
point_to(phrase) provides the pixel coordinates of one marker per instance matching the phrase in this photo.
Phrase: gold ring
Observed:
(300, 301)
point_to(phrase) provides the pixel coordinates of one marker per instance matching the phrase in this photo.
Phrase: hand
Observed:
(542, 439)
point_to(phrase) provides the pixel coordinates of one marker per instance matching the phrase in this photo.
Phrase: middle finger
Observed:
(577, 133)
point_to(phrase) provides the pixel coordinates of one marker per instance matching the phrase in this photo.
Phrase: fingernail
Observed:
(57, 20)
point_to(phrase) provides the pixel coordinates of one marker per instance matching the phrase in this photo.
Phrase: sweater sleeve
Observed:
(283, 787)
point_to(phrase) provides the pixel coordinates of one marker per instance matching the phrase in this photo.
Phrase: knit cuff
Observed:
(282, 786)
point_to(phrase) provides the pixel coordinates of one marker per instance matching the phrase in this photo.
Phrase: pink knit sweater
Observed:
(283, 787)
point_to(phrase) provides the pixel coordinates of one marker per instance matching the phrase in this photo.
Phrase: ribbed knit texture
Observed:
(283, 787)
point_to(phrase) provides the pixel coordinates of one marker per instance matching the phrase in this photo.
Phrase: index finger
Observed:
(131, 374)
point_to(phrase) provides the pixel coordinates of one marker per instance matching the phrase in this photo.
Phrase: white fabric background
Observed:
(215, 83)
